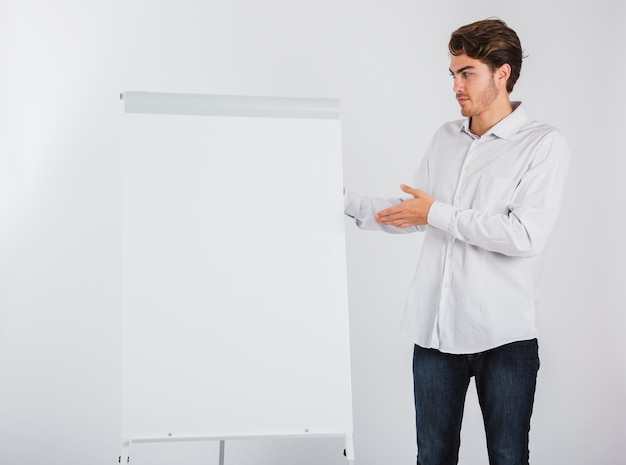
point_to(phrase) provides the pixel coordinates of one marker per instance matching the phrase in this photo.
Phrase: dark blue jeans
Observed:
(505, 381)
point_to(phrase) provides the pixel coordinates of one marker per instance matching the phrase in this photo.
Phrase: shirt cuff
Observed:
(351, 204)
(440, 215)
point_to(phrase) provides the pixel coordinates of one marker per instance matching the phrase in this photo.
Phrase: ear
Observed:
(503, 73)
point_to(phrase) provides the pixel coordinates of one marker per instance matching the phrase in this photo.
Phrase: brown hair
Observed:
(492, 42)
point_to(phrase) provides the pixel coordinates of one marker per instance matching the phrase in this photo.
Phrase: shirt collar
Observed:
(507, 127)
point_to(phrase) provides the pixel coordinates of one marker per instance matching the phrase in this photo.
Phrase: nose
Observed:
(457, 86)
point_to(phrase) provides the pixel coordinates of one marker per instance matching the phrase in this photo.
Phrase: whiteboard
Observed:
(235, 313)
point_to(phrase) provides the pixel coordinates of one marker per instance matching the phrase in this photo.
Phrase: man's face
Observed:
(474, 85)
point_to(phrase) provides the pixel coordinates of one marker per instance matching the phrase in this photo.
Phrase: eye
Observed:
(466, 74)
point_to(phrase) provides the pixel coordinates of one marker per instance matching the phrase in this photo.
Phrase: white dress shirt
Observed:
(497, 197)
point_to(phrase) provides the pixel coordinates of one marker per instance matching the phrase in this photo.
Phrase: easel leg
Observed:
(222, 447)
(350, 449)
(125, 457)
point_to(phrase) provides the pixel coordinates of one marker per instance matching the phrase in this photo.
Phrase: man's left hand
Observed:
(411, 212)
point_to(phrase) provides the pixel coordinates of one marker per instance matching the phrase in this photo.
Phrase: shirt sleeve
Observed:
(533, 209)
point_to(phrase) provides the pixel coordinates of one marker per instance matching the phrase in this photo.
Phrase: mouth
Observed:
(461, 99)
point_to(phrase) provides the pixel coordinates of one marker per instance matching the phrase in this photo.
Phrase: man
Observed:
(487, 194)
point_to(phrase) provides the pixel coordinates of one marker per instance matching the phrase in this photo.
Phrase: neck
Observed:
(488, 118)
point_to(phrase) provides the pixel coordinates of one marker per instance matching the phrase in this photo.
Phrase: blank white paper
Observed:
(235, 295)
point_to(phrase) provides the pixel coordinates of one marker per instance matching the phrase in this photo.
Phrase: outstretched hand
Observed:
(411, 212)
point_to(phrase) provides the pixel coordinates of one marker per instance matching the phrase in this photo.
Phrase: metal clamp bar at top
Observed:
(229, 105)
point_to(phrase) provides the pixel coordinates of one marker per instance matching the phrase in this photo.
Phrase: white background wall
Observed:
(62, 66)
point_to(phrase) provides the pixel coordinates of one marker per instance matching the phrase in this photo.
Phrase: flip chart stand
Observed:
(126, 445)
(235, 320)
